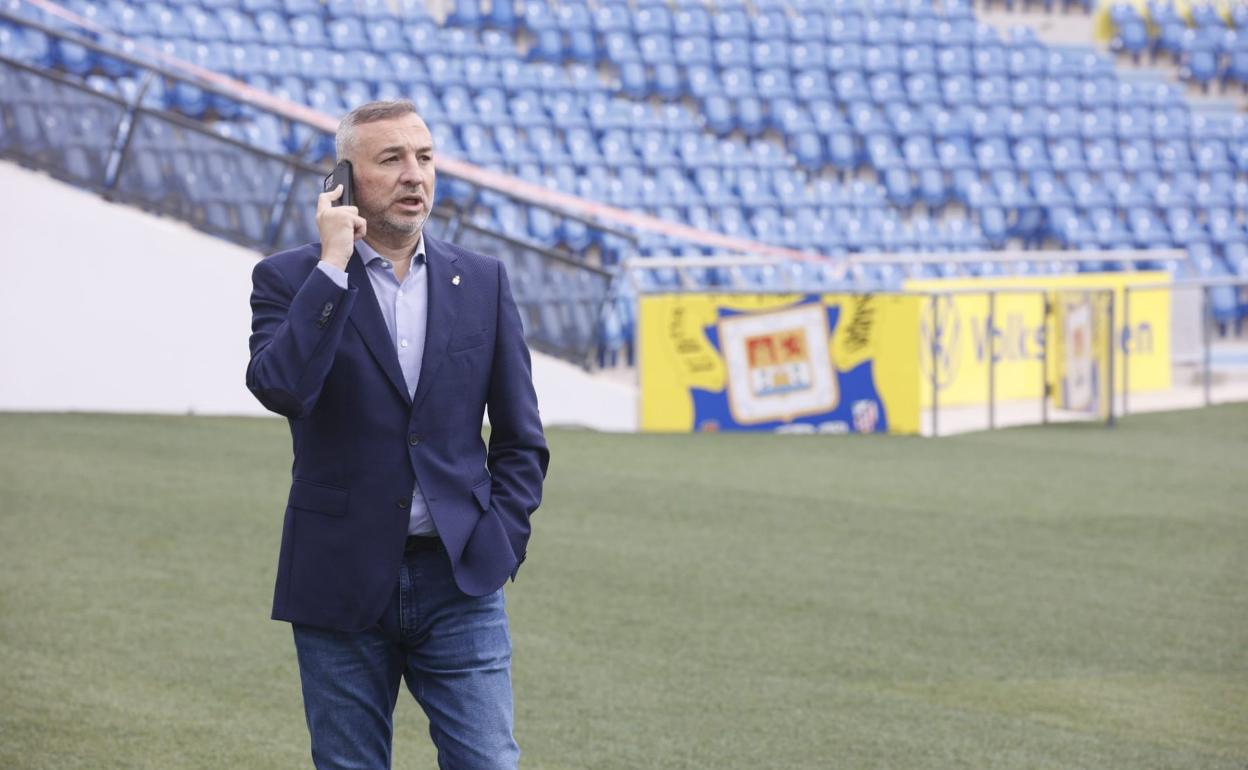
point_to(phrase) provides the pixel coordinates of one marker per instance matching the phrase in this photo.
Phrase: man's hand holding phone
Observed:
(340, 227)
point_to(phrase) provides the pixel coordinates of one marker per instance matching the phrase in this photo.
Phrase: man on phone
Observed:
(384, 348)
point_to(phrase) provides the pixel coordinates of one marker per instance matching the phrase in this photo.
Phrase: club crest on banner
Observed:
(778, 365)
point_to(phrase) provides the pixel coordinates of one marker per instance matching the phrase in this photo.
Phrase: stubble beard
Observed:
(392, 228)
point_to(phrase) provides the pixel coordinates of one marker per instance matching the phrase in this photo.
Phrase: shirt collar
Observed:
(369, 255)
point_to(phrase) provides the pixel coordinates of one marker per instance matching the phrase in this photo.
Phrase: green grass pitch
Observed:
(1060, 597)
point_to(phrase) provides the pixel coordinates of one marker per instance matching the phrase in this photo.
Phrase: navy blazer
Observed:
(323, 357)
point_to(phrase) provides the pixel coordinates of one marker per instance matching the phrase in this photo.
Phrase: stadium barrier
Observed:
(1201, 307)
(931, 358)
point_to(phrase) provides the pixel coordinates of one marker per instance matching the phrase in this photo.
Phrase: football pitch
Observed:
(1058, 597)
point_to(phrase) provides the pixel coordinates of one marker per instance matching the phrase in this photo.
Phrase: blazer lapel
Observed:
(366, 315)
(443, 307)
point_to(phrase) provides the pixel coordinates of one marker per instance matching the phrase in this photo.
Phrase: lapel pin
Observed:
(455, 280)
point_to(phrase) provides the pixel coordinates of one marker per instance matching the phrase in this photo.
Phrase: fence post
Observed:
(1112, 342)
(1126, 351)
(933, 343)
(992, 360)
(1207, 315)
(1044, 358)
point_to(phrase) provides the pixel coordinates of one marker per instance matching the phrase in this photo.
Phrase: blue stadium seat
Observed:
(1200, 63)
(769, 54)
(809, 27)
(467, 13)
(1173, 122)
(770, 25)
(652, 19)
(957, 90)
(881, 58)
(481, 73)
(1222, 226)
(655, 49)
(691, 21)
(991, 91)
(1211, 156)
(1237, 62)
(885, 88)
(953, 61)
(922, 89)
(808, 56)
(1096, 124)
(954, 153)
(731, 23)
(548, 46)
(918, 59)
(239, 27)
(846, 27)
(844, 57)
(990, 61)
(512, 146)
(881, 28)
(608, 17)
(850, 87)
(827, 117)
(842, 151)
(732, 53)
(634, 81)
(1173, 156)
(491, 107)
(502, 16)
(1184, 227)
(1061, 92)
(915, 31)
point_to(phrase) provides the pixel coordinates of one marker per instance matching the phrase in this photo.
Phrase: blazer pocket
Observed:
(318, 498)
(467, 341)
(481, 491)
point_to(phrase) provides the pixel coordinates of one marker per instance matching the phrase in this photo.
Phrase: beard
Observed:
(392, 226)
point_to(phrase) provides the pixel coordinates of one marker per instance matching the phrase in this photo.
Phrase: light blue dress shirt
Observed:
(405, 307)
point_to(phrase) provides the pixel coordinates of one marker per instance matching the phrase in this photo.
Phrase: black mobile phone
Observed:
(341, 176)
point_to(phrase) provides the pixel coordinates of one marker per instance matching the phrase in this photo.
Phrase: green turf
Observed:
(1061, 597)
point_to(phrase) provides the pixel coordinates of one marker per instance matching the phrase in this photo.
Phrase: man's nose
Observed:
(412, 172)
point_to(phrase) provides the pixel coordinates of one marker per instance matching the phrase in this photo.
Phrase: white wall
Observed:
(106, 308)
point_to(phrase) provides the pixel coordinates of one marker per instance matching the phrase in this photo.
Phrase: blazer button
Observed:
(413, 439)
(405, 503)
(325, 311)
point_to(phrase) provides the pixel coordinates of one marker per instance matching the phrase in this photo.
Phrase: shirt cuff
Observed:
(335, 273)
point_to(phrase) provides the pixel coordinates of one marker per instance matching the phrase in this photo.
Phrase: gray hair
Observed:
(371, 112)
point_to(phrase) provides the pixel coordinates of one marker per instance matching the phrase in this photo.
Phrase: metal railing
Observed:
(1198, 350)
(136, 152)
(1226, 297)
(933, 336)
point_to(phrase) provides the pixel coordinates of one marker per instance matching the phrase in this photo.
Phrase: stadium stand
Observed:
(830, 126)
(1205, 40)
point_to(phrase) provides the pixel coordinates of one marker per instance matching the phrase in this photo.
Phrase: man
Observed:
(384, 347)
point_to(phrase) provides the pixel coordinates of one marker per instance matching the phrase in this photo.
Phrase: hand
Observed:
(340, 227)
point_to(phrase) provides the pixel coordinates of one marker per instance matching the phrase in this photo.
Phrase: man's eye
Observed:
(389, 160)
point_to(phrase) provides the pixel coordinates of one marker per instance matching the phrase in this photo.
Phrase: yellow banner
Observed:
(796, 363)
(1016, 338)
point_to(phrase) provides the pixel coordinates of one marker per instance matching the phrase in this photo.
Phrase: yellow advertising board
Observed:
(795, 363)
(958, 324)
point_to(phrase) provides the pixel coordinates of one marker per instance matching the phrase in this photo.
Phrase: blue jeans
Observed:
(454, 652)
